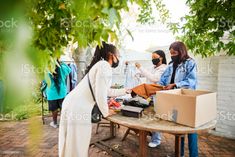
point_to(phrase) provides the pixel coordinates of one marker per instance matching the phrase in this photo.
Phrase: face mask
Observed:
(115, 64)
(175, 59)
(156, 61)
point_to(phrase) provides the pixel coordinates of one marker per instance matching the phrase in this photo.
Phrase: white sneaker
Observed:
(52, 124)
(153, 145)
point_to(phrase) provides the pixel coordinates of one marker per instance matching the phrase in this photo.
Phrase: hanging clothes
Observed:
(132, 78)
(73, 76)
(68, 80)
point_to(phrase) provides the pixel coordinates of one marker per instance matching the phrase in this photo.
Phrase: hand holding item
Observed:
(169, 86)
(128, 91)
(137, 65)
(146, 90)
(111, 112)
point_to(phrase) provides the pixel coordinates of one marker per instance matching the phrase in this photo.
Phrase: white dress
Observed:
(75, 124)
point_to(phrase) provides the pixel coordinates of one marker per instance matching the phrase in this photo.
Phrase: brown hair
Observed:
(181, 48)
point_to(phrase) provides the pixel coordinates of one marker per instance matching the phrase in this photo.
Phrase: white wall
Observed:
(215, 74)
(218, 74)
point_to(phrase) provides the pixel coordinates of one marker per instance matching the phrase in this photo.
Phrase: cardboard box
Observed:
(184, 106)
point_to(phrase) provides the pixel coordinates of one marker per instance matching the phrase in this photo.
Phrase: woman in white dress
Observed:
(75, 124)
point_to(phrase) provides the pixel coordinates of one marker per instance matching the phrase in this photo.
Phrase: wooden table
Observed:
(149, 123)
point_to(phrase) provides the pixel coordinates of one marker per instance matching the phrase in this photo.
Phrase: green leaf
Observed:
(130, 34)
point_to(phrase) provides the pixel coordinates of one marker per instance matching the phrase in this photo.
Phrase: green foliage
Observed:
(210, 27)
(57, 22)
(25, 111)
(53, 23)
(46, 19)
(87, 22)
(146, 12)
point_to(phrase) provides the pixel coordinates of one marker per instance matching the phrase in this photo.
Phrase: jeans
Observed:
(192, 145)
(156, 138)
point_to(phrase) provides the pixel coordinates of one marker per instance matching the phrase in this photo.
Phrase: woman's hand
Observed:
(169, 86)
(111, 112)
(137, 65)
(128, 91)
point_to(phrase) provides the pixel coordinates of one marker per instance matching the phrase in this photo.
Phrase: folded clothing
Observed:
(139, 99)
(137, 102)
(146, 90)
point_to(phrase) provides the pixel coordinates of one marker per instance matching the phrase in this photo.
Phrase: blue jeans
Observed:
(192, 145)
(156, 138)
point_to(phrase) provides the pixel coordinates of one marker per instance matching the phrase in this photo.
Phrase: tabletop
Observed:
(149, 122)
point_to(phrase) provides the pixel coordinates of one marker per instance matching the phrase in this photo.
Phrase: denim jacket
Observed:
(185, 75)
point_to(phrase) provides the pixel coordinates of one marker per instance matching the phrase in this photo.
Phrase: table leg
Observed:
(112, 130)
(125, 135)
(112, 134)
(177, 145)
(143, 143)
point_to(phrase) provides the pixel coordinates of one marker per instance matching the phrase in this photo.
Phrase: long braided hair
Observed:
(56, 76)
(101, 53)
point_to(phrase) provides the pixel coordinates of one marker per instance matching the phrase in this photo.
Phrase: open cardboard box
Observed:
(184, 106)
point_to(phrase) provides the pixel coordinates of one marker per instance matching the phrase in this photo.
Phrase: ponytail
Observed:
(56, 76)
(101, 53)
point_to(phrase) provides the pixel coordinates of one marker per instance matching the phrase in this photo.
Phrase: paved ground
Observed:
(15, 141)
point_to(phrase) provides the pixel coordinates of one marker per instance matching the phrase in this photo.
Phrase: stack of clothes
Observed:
(141, 95)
